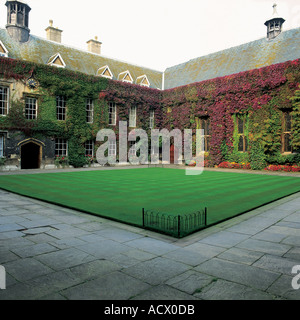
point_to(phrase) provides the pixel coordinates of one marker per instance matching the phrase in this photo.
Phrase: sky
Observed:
(157, 33)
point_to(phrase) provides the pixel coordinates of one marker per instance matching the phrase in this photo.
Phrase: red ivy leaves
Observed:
(220, 98)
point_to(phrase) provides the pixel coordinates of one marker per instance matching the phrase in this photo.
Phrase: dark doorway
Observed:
(30, 156)
(174, 154)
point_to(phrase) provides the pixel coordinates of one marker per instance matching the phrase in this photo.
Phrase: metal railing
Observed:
(177, 226)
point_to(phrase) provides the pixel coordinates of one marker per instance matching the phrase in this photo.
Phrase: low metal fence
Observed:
(177, 226)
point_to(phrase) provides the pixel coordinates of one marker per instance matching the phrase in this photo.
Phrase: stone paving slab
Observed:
(156, 271)
(240, 273)
(240, 255)
(225, 290)
(282, 287)
(293, 253)
(25, 269)
(190, 281)
(115, 286)
(224, 239)
(276, 264)
(164, 292)
(268, 235)
(265, 246)
(66, 258)
(51, 252)
(34, 250)
(186, 256)
(154, 246)
(103, 249)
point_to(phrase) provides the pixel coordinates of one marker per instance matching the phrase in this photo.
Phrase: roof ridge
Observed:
(95, 54)
(229, 48)
(92, 53)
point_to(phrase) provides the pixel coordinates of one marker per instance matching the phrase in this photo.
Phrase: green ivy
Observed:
(235, 155)
(75, 87)
(296, 121)
(261, 93)
(257, 156)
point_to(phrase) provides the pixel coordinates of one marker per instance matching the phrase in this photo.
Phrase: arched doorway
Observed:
(31, 154)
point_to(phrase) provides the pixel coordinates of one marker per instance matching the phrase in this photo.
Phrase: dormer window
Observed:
(125, 77)
(104, 72)
(3, 50)
(57, 61)
(143, 81)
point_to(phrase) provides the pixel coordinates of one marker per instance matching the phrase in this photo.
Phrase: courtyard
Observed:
(54, 253)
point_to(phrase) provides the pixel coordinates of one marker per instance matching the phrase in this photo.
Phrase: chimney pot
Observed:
(94, 45)
(53, 34)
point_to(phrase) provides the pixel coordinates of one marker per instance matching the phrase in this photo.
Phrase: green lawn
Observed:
(121, 194)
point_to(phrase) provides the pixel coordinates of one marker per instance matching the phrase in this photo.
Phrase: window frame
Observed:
(36, 108)
(112, 115)
(286, 133)
(204, 123)
(242, 135)
(152, 119)
(89, 145)
(112, 146)
(61, 107)
(63, 146)
(89, 109)
(5, 102)
(132, 117)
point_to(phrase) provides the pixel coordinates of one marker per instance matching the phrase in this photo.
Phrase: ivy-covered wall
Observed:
(76, 88)
(260, 95)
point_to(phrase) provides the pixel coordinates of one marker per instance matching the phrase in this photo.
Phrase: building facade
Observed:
(54, 98)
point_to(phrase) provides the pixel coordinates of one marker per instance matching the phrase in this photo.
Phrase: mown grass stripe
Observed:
(121, 194)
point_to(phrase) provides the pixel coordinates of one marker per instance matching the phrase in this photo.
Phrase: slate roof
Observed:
(40, 50)
(252, 55)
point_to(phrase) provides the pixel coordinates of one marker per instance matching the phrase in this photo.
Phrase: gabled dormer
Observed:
(3, 50)
(143, 81)
(125, 77)
(56, 61)
(104, 72)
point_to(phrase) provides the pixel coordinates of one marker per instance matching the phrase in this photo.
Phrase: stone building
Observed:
(47, 127)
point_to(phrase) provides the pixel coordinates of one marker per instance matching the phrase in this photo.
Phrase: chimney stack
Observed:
(53, 34)
(94, 46)
(18, 20)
